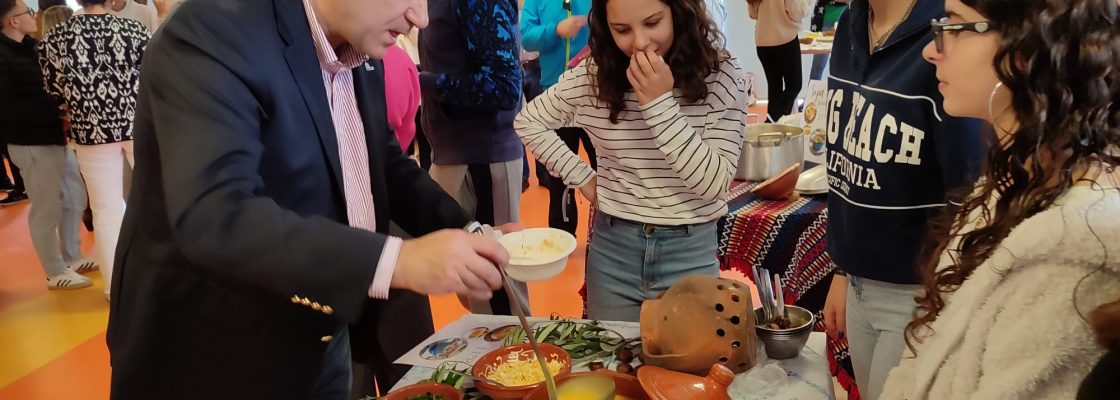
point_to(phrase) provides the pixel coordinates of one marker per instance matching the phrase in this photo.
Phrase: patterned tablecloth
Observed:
(786, 238)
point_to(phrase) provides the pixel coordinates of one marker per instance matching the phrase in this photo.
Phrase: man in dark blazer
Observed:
(238, 275)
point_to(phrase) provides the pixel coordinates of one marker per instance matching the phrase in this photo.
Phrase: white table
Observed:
(808, 377)
(817, 47)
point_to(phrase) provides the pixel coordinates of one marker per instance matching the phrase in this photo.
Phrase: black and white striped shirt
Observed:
(665, 163)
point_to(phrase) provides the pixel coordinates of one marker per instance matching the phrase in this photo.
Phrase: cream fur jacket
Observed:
(1012, 330)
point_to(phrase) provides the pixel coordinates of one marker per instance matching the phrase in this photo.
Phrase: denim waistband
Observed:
(651, 228)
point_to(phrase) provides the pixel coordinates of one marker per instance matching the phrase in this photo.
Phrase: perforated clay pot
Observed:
(700, 321)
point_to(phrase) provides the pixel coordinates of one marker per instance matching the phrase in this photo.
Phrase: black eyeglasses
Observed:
(28, 12)
(940, 26)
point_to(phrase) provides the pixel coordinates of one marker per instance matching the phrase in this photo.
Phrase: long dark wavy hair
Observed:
(692, 57)
(1059, 59)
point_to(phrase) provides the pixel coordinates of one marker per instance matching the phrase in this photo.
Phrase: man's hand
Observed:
(649, 75)
(451, 261)
(569, 27)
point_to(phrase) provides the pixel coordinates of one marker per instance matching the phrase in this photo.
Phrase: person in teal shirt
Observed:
(549, 28)
(557, 29)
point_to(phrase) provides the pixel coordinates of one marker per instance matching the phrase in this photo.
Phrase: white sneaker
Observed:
(68, 280)
(84, 265)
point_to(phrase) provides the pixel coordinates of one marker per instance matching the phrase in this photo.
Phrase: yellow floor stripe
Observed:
(43, 328)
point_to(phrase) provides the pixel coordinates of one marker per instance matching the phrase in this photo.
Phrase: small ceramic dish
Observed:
(430, 388)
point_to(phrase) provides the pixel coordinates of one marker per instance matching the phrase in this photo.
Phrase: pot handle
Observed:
(770, 139)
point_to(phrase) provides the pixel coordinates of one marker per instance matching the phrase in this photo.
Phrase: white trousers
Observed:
(102, 166)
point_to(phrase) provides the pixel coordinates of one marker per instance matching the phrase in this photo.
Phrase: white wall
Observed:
(35, 4)
(740, 41)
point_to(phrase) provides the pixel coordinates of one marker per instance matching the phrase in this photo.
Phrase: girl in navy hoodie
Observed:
(893, 156)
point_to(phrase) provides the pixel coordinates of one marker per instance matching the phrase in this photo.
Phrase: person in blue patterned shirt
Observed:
(470, 81)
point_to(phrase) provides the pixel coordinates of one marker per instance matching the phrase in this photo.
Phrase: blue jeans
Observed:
(630, 262)
(876, 317)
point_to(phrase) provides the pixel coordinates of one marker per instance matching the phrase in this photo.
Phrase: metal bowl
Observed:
(782, 344)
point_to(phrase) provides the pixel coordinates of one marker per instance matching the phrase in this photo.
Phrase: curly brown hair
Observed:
(1059, 60)
(692, 58)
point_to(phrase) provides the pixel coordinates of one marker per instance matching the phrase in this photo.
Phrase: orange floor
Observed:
(52, 343)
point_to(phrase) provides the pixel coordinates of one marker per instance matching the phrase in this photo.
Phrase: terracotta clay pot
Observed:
(700, 321)
(663, 384)
(780, 186)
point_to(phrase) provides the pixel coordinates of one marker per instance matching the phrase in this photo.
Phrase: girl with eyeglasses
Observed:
(894, 156)
(1011, 277)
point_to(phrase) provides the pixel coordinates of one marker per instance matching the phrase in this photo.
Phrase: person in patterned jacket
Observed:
(470, 81)
(92, 63)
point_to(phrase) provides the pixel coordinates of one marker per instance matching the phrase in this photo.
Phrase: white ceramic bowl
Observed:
(530, 260)
(814, 180)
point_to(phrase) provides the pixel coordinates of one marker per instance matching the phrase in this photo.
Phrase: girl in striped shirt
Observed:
(664, 106)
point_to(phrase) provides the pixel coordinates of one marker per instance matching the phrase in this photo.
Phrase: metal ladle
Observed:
(519, 311)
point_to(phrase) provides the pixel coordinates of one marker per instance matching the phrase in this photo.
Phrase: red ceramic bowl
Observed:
(517, 352)
(624, 385)
(447, 391)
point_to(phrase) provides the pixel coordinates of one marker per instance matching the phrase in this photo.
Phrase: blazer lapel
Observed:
(369, 90)
(304, 65)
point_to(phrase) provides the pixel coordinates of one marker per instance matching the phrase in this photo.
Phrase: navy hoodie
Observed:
(893, 153)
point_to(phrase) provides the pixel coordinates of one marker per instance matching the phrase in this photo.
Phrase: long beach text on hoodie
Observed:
(893, 153)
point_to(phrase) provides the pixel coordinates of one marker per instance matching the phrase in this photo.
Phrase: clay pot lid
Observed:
(779, 186)
(663, 384)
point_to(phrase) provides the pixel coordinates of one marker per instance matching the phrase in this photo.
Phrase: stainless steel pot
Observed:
(769, 149)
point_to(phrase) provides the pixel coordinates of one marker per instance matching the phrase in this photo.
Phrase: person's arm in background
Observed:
(796, 10)
(490, 31)
(52, 67)
(163, 10)
(537, 34)
(402, 94)
(142, 38)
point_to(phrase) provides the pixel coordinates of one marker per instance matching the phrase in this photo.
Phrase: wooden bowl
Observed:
(780, 186)
(517, 352)
(624, 385)
(419, 389)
